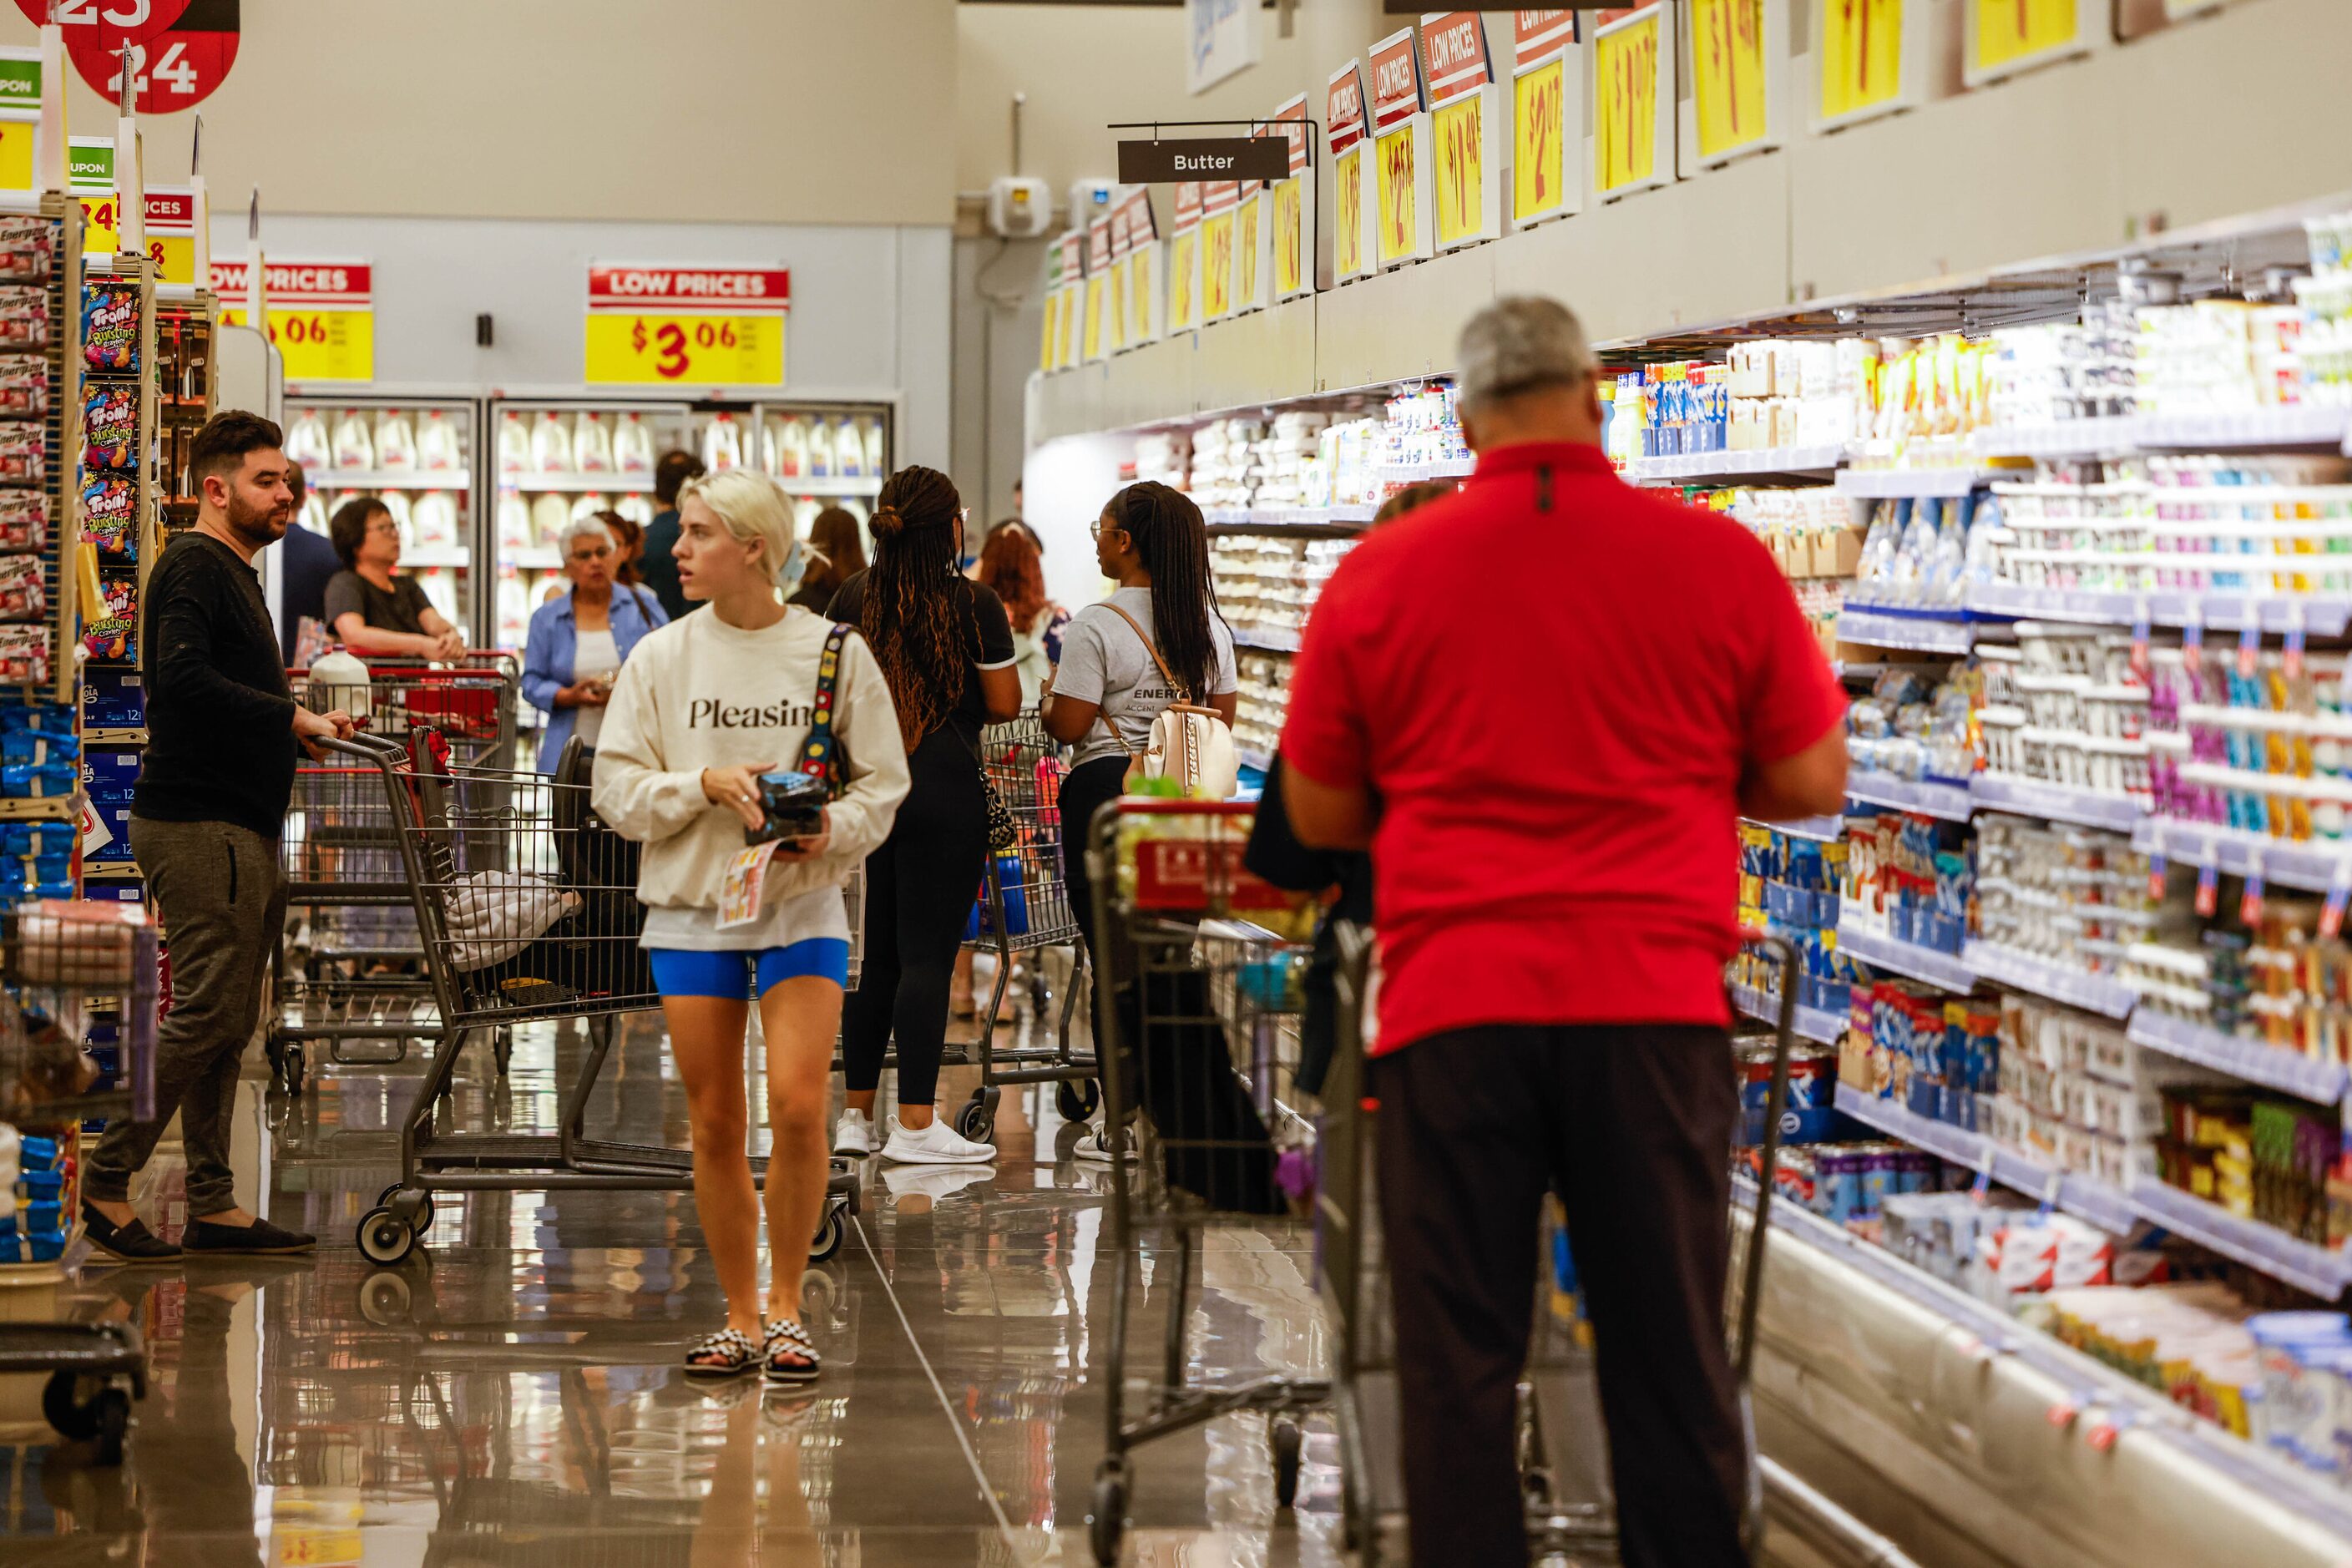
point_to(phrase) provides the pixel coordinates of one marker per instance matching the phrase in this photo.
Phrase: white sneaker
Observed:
(1092, 1147)
(933, 1182)
(854, 1135)
(938, 1144)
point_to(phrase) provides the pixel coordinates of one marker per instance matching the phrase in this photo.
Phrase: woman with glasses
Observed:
(370, 611)
(579, 642)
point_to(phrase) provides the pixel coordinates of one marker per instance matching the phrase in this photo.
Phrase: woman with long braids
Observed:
(946, 651)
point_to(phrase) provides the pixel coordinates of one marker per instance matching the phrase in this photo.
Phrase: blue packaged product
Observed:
(41, 1183)
(1877, 1178)
(114, 700)
(36, 1153)
(109, 773)
(23, 840)
(1837, 1185)
(34, 748)
(38, 780)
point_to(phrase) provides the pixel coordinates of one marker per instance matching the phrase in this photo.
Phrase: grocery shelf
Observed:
(1414, 473)
(2273, 1067)
(1815, 460)
(2314, 867)
(1885, 484)
(1924, 797)
(1251, 757)
(114, 738)
(2121, 434)
(804, 485)
(2322, 615)
(2262, 1247)
(1289, 521)
(579, 483)
(2084, 1197)
(1266, 639)
(2101, 993)
(1881, 950)
(1814, 1024)
(1920, 634)
(449, 555)
(1941, 1139)
(44, 808)
(1828, 829)
(389, 478)
(2058, 803)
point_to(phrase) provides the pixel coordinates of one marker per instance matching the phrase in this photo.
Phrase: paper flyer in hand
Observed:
(739, 896)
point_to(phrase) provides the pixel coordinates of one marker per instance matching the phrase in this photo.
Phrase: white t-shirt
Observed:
(1104, 661)
(596, 654)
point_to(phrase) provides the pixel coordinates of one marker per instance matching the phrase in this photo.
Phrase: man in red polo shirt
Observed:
(1544, 705)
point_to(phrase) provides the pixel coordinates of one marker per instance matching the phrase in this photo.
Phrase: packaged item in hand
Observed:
(24, 520)
(22, 460)
(795, 802)
(23, 655)
(22, 596)
(24, 386)
(24, 318)
(110, 429)
(110, 326)
(27, 249)
(110, 503)
(109, 630)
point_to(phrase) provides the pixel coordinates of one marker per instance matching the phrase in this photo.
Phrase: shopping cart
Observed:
(1563, 1522)
(1196, 1000)
(1023, 909)
(349, 970)
(527, 902)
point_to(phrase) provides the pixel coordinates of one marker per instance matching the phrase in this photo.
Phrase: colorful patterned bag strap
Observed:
(820, 755)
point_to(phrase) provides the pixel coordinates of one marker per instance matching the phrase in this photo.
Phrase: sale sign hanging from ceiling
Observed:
(1546, 98)
(1632, 78)
(1735, 58)
(321, 314)
(1354, 238)
(697, 326)
(1466, 112)
(1401, 150)
(172, 66)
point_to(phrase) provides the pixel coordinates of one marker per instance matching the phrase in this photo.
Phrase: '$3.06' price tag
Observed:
(708, 349)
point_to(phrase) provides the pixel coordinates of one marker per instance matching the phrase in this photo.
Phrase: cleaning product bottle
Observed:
(592, 445)
(437, 446)
(514, 522)
(850, 448)
(791, 448)
(395, 441)
(305, 443)
(352, 446)
(723, 445)
(632, 445)
(550, 445)
(514, 445)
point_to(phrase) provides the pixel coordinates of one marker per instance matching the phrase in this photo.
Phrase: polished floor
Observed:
(511, 1395)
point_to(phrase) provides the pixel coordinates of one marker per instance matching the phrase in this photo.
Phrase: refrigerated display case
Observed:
(827, 454)
(417, 453)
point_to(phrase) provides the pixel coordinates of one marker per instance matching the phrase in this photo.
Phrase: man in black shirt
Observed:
(305, 562)
(222, 728)
(656, 563)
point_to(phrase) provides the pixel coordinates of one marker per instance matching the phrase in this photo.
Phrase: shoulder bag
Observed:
(1189, 743)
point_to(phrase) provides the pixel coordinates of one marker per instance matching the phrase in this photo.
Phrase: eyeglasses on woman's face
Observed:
(1097, 528)
(385, 526)
(589, 550)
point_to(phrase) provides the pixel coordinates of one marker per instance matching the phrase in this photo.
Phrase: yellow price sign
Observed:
(16, 155)
(1289, 238)
(1216, 266)
(1539, 182)
(1066, 348)
(666, 349)
(319, 344)
(1861, 52)
(1727, 73)
(1460, 130)
(1183, 278)
(1348, 245)
(1625, 64)
(1399, 197)
(1093, 341)
(309, 1546)
(1053, 329)
(1115, 306)
(2011, 30)
(1138, 275)
(1246, 251)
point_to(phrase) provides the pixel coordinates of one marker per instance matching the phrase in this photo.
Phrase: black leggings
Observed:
(1083, 794)
(920, 887)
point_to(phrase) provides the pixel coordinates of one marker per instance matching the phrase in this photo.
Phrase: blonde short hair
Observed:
(753, 510)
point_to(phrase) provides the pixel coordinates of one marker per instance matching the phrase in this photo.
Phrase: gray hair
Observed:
(585, 527)
(1518, 343)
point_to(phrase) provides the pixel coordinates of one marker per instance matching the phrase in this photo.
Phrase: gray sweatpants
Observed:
(220, 891)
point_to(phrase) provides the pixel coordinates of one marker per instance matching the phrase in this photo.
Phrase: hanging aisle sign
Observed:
(1145, 281)
(2003, 37)
(321, 315)
(1098, 289)
(1868, 60)
(1546, 98)
(1290, 240)
(1355, 241)
(1633, 125)
(1185, 260)
(1466, 112)
(1401, 150)
(669, 326)
(1220, 209)
(1072, 247)
(1734, 69)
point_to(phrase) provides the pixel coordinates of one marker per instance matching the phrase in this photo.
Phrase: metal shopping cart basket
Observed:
(1023, 909)
(1565, 1517)
(351, 967)
(1197, 995)
(527, 903)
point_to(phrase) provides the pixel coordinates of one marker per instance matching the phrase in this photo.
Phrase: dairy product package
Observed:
(306, 441)
(637, 509)
(396, 503)
(588, 506)
(514, 607)
(437, 445)
(804, 510)
(353, 448)
(514, 445)
(314, 512)
(548, 514)
(791, 460)
(440, 585)
(632, 445)
(822, 452)
(395, 441)
(513, 522)
(722, 444)
(592, 445)
(767, 447)
(550, 445)
(874, 464)
(850, 448)
(434, 521)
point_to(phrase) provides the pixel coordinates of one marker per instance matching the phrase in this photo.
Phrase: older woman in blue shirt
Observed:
(579, 640)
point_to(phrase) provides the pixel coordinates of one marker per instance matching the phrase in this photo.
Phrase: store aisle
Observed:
(515, 1399)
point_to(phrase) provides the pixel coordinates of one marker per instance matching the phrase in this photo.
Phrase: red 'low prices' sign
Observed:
(328, 285)
(651, 325)
(728, 289)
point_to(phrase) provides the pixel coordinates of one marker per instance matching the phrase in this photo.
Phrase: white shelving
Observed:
(2323, 615)
(1920, 634)
(2289, 1072)
(806, 486)
(1812, 1024)
(389, 478)
(2260, 1247)
(577, 484)
(1881, 950)
(1883, 484)
(2313, 868)
(1414, 473)
(1828, 829)
(2007, 966)
(1949, 801)
(2057, 803)
(426, 558)
(1266, 639)
(1688, 465)
(2123, 433)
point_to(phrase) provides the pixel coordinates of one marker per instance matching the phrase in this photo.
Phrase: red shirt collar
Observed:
(1531, 455)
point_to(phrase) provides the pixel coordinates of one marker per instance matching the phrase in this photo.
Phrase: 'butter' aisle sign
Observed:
(701, 326)
(1204, 158)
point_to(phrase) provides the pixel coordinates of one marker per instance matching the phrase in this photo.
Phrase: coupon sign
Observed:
(747, 877)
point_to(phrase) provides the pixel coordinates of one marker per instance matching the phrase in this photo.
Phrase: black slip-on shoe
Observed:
(132, 1243)
(202, 1239)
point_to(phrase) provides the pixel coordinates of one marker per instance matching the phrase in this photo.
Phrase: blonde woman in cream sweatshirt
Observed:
(703, 707)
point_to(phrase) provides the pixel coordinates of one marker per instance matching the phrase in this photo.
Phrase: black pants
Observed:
(1633, 1123)
(1083, 794)
(920, 887)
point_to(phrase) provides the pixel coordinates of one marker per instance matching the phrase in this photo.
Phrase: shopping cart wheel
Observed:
(1283, 1432)
(1109, 1521)
(1076, 1101)
(385, 1298)
(830, 1231)
(88, 1409)
(977, 1120)
(288, 1064)
(424, 1221)
(502, 1050)
(385, 1237)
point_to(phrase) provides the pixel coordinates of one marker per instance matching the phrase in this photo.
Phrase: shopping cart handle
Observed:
(367, 747)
